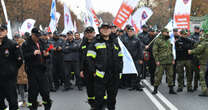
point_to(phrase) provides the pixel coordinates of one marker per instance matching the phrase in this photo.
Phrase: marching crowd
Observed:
(45, 62)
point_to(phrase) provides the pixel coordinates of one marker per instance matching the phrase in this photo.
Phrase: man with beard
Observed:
(162, 51)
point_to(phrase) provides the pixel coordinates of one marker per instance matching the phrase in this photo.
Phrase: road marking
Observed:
(165, 100)
(19, 104)
(154, 100)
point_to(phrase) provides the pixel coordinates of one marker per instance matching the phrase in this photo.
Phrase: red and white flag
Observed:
(124, 12)
(68, 25)
(182, 14)
(92, 13)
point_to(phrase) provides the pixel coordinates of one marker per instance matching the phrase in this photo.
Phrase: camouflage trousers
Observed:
(202, 78)
(180, 70)
(160, 70)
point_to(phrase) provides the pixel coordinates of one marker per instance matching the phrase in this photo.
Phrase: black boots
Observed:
(171, 91)
(155, 90)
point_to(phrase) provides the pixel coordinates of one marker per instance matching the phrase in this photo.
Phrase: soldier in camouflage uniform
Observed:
(162, 51)
(202, 53)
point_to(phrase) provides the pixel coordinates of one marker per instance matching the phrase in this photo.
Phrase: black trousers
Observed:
(49, 74)
(2, 104)
(135, 79)
(58, 72)
(109, 84)
(8, 92)
(38, 83)
(89, 81)
(152, 68)
(73, 66)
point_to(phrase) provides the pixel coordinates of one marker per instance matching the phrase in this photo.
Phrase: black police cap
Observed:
(105, 25)
(89, 29)
(36, 31)
(70, 33)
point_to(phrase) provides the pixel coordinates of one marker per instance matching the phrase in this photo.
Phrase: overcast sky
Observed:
(78, 6)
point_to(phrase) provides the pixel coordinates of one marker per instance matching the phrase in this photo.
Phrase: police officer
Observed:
(144, 38)
(183, 44)
(84, 72)
(162, 51)
(10, 61)
(71, 58)
(57, 60)
(134, 47)
(150, 58)
(195, 61)
(45, 39)
(105, 62)
(176, 36)
(202, 53)
(34, 53)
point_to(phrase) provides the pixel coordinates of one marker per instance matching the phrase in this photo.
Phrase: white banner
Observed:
(182, 14)
(53, 22)
(140, 17)
(27, 26)
(68, 25)
(128, 63)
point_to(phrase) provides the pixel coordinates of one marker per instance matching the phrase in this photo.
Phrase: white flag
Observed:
(75, 26)
(140, 17)
(93, 19)
(53, 22)
(128, 63)
(58, 15)
(27, 26)
(182, 14)
(68, 25)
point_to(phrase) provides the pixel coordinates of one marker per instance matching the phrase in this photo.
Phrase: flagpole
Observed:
(154, 39)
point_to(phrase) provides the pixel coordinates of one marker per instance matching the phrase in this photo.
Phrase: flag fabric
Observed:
(128, 63)
(124, 12)
(140, 17)
(58, 15)
(68, 25)
(93, 19)
(75, 26)
(27, 26)
(182, 14)
(170, 27)
(52, 25)
(92, 13)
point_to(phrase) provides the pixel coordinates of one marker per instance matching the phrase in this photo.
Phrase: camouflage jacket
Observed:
(201, 51)
(162, 50)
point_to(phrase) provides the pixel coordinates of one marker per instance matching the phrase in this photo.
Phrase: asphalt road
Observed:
(133, 100)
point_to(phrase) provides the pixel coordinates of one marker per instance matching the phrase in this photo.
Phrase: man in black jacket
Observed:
(84, 72)
(57, 60)
(71, 58)
(135, 49)
(34, 53)
(183, 59)
(10, 61)
(105, 62)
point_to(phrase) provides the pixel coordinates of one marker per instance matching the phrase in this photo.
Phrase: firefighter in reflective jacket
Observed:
(105, 62)
(84, 72)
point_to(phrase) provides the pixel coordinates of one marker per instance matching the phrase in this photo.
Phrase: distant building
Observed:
(197, 21)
